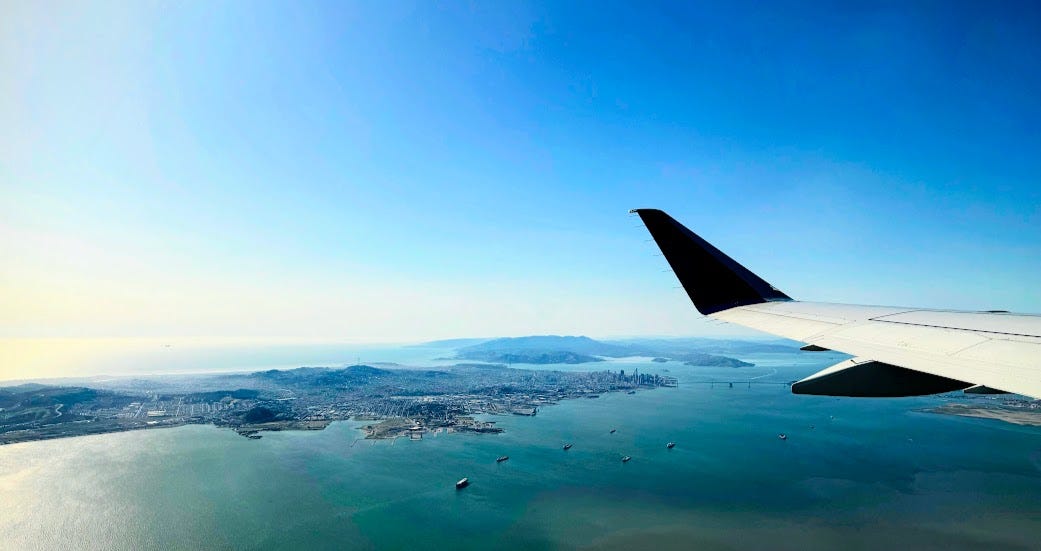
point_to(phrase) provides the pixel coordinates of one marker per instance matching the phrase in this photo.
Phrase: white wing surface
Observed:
(898, 351)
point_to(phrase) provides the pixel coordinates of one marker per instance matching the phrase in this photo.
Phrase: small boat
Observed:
(567, 446)
(626, 459)
(501, 458)
(613, 431)
(670, 445)
(462, 484)
(631, 392)
(782, 436)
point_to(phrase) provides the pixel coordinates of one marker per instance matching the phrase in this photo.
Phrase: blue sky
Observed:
(402, 171)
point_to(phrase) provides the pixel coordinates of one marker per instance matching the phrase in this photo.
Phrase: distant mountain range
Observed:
(545, 349)
(709, 346)
(552, 349)
(450, 343)
(528, 357)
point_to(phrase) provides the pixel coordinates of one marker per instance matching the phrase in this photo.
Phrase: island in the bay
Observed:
(398, 400)
(1018, 411)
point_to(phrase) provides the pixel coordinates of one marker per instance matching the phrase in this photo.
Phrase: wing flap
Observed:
(985, 322)
(1016, 354)
(910, 337)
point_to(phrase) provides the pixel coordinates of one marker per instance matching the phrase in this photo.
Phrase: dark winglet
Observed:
(713, 281)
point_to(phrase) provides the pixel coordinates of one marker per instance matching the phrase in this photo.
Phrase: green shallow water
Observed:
(871, 473)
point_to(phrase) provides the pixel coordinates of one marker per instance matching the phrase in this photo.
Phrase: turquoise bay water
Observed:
(870, 473)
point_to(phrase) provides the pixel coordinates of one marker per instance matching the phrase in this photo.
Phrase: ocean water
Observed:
(869, 474)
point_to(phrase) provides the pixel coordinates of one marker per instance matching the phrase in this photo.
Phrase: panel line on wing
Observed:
(880, 320)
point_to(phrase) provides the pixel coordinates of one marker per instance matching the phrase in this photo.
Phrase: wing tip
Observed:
(713, 281)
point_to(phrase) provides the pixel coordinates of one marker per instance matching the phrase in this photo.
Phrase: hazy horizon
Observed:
(48, 358)
(417, 171)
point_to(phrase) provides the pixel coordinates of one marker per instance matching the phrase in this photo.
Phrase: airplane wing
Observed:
(897, 351)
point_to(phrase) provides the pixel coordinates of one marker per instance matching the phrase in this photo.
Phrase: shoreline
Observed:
(382, 428)
(1027, 417)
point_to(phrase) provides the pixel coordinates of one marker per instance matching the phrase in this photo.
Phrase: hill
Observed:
(581, 345)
